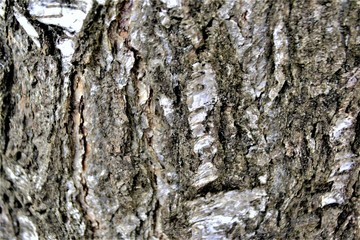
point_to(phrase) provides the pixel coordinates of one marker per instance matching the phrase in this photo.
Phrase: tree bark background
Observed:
(177, 119)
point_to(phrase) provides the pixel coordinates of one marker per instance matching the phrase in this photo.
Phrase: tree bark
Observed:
(177, 119)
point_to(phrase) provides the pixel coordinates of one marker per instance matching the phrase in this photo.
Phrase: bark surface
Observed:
(179, 119)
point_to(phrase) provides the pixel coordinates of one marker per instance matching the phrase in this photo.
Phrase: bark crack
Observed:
(82, 150)
(8, 105)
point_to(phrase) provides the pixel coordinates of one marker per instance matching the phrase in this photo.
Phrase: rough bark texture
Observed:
(180, 119)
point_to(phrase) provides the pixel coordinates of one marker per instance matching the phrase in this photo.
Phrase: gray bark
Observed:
(176, 119)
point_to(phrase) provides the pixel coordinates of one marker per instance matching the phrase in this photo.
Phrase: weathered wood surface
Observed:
(176, 119)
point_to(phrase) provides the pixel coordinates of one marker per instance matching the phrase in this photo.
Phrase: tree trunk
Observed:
(179, 119)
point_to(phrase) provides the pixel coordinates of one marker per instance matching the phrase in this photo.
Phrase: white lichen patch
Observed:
(163, 190)
(144, 91)
(237, 38)
(197, 130)
(201, 95)
(326, 200)
(346, 166)
(337, 193)
(211, 230)
(205, 174)
(263, 179)
(344, 161)
(167, 106)
(27, 228)
(252, 212)
(101, 2)
(340, 126)
(2, 8)
(66, 46)
(70, 197)
(172, 3)
(214, 215)
(252, 114)
(68, 16)
(353, 79)
(203, 143)
(29, 29)
(67, 49)
(158, 138)
(223, 12)
(280, 43)
(196, 117)
(20, 179)
(331, 198)
(129, 61)
(280, 57)
(71, 209)
(202, 89)
(343, 155)
(164, 18)
(201, 98)
(165, 50)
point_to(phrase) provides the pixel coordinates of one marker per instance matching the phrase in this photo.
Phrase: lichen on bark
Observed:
(174, 119)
